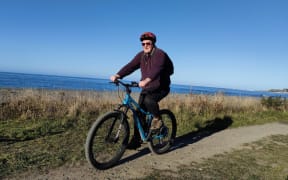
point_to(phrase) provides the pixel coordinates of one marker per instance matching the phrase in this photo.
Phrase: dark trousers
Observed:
(148, 100)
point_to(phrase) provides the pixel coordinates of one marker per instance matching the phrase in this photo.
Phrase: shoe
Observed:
(135, 143)
(156, 124)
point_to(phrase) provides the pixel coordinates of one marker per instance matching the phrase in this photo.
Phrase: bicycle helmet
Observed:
(148, 36)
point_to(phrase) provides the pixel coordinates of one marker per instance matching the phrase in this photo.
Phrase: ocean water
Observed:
(20, 80)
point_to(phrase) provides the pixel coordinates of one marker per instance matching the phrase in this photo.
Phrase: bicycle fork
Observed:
(116, 137)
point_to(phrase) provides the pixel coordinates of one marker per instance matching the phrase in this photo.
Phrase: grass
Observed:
(42, 129)
(40, 146)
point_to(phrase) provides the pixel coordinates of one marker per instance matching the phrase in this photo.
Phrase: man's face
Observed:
(147, 46)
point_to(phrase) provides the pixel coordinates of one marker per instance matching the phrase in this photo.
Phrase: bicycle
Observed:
(109, 135)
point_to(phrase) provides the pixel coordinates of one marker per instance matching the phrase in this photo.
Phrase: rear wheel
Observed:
(161, 141)
(107, 140)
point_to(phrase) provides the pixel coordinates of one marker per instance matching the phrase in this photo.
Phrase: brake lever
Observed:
(115, 82)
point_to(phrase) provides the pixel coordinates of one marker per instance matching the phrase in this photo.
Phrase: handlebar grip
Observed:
(134, 84)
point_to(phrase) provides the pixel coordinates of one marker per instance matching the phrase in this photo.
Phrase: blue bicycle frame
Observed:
(129, 102)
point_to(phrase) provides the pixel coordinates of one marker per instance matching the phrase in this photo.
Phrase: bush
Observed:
(275, 103)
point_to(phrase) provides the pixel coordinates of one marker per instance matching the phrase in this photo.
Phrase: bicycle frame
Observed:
(131, 104)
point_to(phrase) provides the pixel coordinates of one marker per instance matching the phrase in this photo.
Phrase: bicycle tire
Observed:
(102, 149)
(158, 145)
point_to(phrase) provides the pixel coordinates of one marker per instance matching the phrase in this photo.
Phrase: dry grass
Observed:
(191, 111)
(25, 104)
(212, 104)
(49, 104)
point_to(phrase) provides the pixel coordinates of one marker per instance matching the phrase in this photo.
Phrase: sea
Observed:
(40, 81)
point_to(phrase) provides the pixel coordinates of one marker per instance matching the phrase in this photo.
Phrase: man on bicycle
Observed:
(156, 68)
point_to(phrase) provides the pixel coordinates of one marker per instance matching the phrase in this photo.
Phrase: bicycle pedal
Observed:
(155, 131)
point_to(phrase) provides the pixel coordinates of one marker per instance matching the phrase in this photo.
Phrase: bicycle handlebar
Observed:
(131, 84)
(126, 85)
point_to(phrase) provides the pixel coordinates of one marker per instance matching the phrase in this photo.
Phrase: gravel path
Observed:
(187, 149)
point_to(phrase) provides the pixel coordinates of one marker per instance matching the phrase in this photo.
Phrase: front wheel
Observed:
(161, 141)
(107, 140)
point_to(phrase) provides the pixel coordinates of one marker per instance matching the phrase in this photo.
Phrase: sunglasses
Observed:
(148, 44)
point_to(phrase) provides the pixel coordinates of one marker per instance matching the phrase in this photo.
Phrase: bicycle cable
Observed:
(119, 96)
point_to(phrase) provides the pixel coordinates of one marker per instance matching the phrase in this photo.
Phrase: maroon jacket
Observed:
(155, 65)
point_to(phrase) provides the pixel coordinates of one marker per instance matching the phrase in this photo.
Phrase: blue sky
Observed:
(240, 44)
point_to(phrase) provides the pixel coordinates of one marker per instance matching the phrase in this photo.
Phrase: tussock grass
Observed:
(49, 104)
(31, 104)
(193, 111)
(42, 129)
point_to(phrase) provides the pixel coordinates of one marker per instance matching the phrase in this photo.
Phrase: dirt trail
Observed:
(186, 150)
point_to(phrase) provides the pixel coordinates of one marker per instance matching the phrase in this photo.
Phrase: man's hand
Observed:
(114, 78)
(144, 82)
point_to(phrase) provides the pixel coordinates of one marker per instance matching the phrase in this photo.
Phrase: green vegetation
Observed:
(276, 103)
(42, 129)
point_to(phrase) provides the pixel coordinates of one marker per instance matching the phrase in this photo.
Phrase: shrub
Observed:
(276, 103)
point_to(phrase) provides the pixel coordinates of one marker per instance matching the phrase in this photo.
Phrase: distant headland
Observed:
(279, 90)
